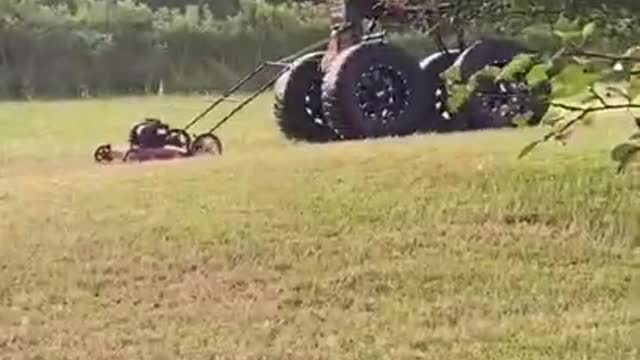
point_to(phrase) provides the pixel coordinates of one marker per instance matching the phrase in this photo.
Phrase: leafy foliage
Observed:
(98, 47)
(573, 67)
(577, 74)
(68, 48)
(625, 153)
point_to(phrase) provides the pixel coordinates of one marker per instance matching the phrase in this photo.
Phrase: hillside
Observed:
(428, 247)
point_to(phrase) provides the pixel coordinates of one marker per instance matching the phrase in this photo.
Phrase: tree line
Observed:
(98, 47)
(72, 48)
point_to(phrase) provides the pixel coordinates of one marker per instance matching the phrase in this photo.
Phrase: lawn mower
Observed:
(356, 84)
(154, 139)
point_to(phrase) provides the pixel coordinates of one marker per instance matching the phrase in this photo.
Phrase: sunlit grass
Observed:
(430, 247)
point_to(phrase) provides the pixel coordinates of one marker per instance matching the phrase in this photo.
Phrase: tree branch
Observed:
(579, 52)
(593, 91)
(589, 110)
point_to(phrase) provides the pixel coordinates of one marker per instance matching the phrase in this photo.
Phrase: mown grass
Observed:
(427, 247)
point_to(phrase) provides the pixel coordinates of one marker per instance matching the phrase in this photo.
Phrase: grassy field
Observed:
(427, 247)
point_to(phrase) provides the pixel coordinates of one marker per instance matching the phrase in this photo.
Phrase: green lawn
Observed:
(426, 247)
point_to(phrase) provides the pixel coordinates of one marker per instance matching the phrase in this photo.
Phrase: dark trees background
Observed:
(70, 48)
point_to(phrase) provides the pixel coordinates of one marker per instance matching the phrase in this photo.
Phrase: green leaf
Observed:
(458, 91)
(588, 31)
(527, 149)
(487, 73)
(458, 97)
(633, 51)
(538, 74)
(634, 82)
(551, 118)
(563, 23)
(562, 136)
(572, 80)
(622, 151)
(612, 91)
(522, 120)
(624, 154)
(566, 30)
(568, 36)
(557, 63)
(520, 64)
(580, 60)
(452, 75)
(589, 98)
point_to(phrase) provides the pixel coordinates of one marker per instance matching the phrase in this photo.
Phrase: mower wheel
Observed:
(438, 117)
(298, 105)
(373, 89)
(497, 105)
(103, 154)
(206, 143)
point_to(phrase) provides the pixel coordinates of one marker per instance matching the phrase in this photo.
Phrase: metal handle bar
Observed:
(225, 96)
(249, 99)
(282, 62)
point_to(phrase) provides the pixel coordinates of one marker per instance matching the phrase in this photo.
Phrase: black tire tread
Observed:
(336, 107)
(483, 52)
(288, 108)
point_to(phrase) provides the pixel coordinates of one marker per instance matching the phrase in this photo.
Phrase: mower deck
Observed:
(207, 145)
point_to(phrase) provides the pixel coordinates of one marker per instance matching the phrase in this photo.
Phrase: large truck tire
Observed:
(373, 89)
(298, 104)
